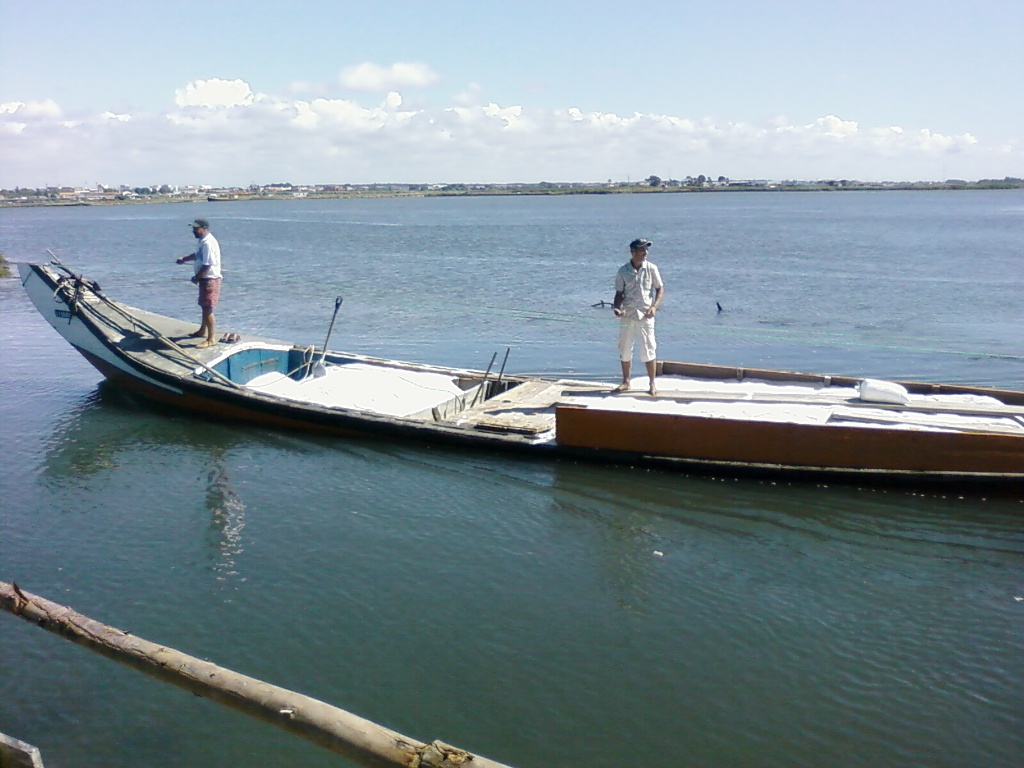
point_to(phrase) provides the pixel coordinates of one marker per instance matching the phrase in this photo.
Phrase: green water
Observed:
(542, 614)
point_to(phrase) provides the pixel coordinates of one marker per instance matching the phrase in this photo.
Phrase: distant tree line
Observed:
(63, 195)
(689, 181)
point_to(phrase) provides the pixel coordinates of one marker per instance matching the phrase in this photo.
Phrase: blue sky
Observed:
(232, 93)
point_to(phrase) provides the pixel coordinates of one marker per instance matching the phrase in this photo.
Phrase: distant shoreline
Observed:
(363, 191)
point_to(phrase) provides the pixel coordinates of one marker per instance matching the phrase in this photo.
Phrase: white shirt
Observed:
(637, 286)
(208, 255)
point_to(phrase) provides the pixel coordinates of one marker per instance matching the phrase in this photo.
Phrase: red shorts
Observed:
(209, 292)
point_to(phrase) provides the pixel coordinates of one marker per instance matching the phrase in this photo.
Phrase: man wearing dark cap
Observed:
(638, 293)
(207, 276)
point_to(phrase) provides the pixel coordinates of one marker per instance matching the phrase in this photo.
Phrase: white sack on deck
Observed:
(877, 391)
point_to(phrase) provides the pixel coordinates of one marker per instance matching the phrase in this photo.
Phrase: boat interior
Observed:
(528, 406)
(480, 400)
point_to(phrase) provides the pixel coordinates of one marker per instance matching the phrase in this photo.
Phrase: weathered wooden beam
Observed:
(18, 754)
(335, 729)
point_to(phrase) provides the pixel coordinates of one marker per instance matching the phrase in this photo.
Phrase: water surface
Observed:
(539, 613)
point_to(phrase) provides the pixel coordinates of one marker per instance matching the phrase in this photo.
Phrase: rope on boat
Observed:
(76, 306)
(173, 345)
(308, 354)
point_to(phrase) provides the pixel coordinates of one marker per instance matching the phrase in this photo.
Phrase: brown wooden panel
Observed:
(796, 445)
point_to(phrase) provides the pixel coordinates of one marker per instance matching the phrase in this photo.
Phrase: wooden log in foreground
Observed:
(18, 754)
(335, 729)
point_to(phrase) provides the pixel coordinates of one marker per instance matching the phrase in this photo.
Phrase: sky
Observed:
(227, 93)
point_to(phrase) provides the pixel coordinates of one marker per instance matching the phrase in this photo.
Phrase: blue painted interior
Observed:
(242, 367)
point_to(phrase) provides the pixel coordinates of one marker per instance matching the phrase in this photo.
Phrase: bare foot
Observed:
(653, 391)
(205, 344)
(623, 387)
(196, 335)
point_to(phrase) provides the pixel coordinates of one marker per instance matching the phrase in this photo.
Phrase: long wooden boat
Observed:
(706, 418)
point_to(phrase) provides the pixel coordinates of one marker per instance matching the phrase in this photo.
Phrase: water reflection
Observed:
(652, 517)
(107, 432)
(632, 535)
(82, 444)
(632, 520)
(227, 515)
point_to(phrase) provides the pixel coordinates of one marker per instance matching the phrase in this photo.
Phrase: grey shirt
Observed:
(637, 286)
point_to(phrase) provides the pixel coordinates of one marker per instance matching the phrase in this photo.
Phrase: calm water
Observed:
(512, 607)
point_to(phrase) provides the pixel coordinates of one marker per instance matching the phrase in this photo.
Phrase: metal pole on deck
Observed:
(502, 371)
(483, 384)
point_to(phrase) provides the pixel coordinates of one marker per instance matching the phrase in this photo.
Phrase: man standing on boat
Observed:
(638, 293)
(208, 277)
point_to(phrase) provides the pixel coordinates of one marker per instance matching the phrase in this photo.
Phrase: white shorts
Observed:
(628, 331)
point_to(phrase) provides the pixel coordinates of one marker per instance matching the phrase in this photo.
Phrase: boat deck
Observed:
(157, 352)
(529, 408)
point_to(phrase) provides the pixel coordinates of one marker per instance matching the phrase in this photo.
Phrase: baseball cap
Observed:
(200, 223)
(641, 242)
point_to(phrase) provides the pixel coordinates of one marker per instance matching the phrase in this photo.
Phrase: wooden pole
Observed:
(18, 754)
(347, 734)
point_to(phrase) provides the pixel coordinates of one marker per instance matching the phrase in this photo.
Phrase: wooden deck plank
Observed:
(1011, 427)
(965, 409)
(528, 408)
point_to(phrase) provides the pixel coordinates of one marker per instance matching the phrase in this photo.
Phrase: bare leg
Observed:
(202, 326)
(209, 327)
(624, 386)
(651, 367)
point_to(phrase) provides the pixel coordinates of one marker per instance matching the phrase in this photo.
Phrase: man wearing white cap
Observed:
(639, 291)
(208, 277)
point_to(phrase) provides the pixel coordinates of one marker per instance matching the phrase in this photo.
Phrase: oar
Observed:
(320, 369)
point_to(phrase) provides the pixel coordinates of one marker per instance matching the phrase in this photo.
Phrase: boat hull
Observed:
(796, 448)
(136, 351)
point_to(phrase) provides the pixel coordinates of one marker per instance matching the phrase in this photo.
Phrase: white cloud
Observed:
(401, 74)
(510, 115)
(32, 109)
(322, 140)
(833, 126)
(341, 114)
(215, 93)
